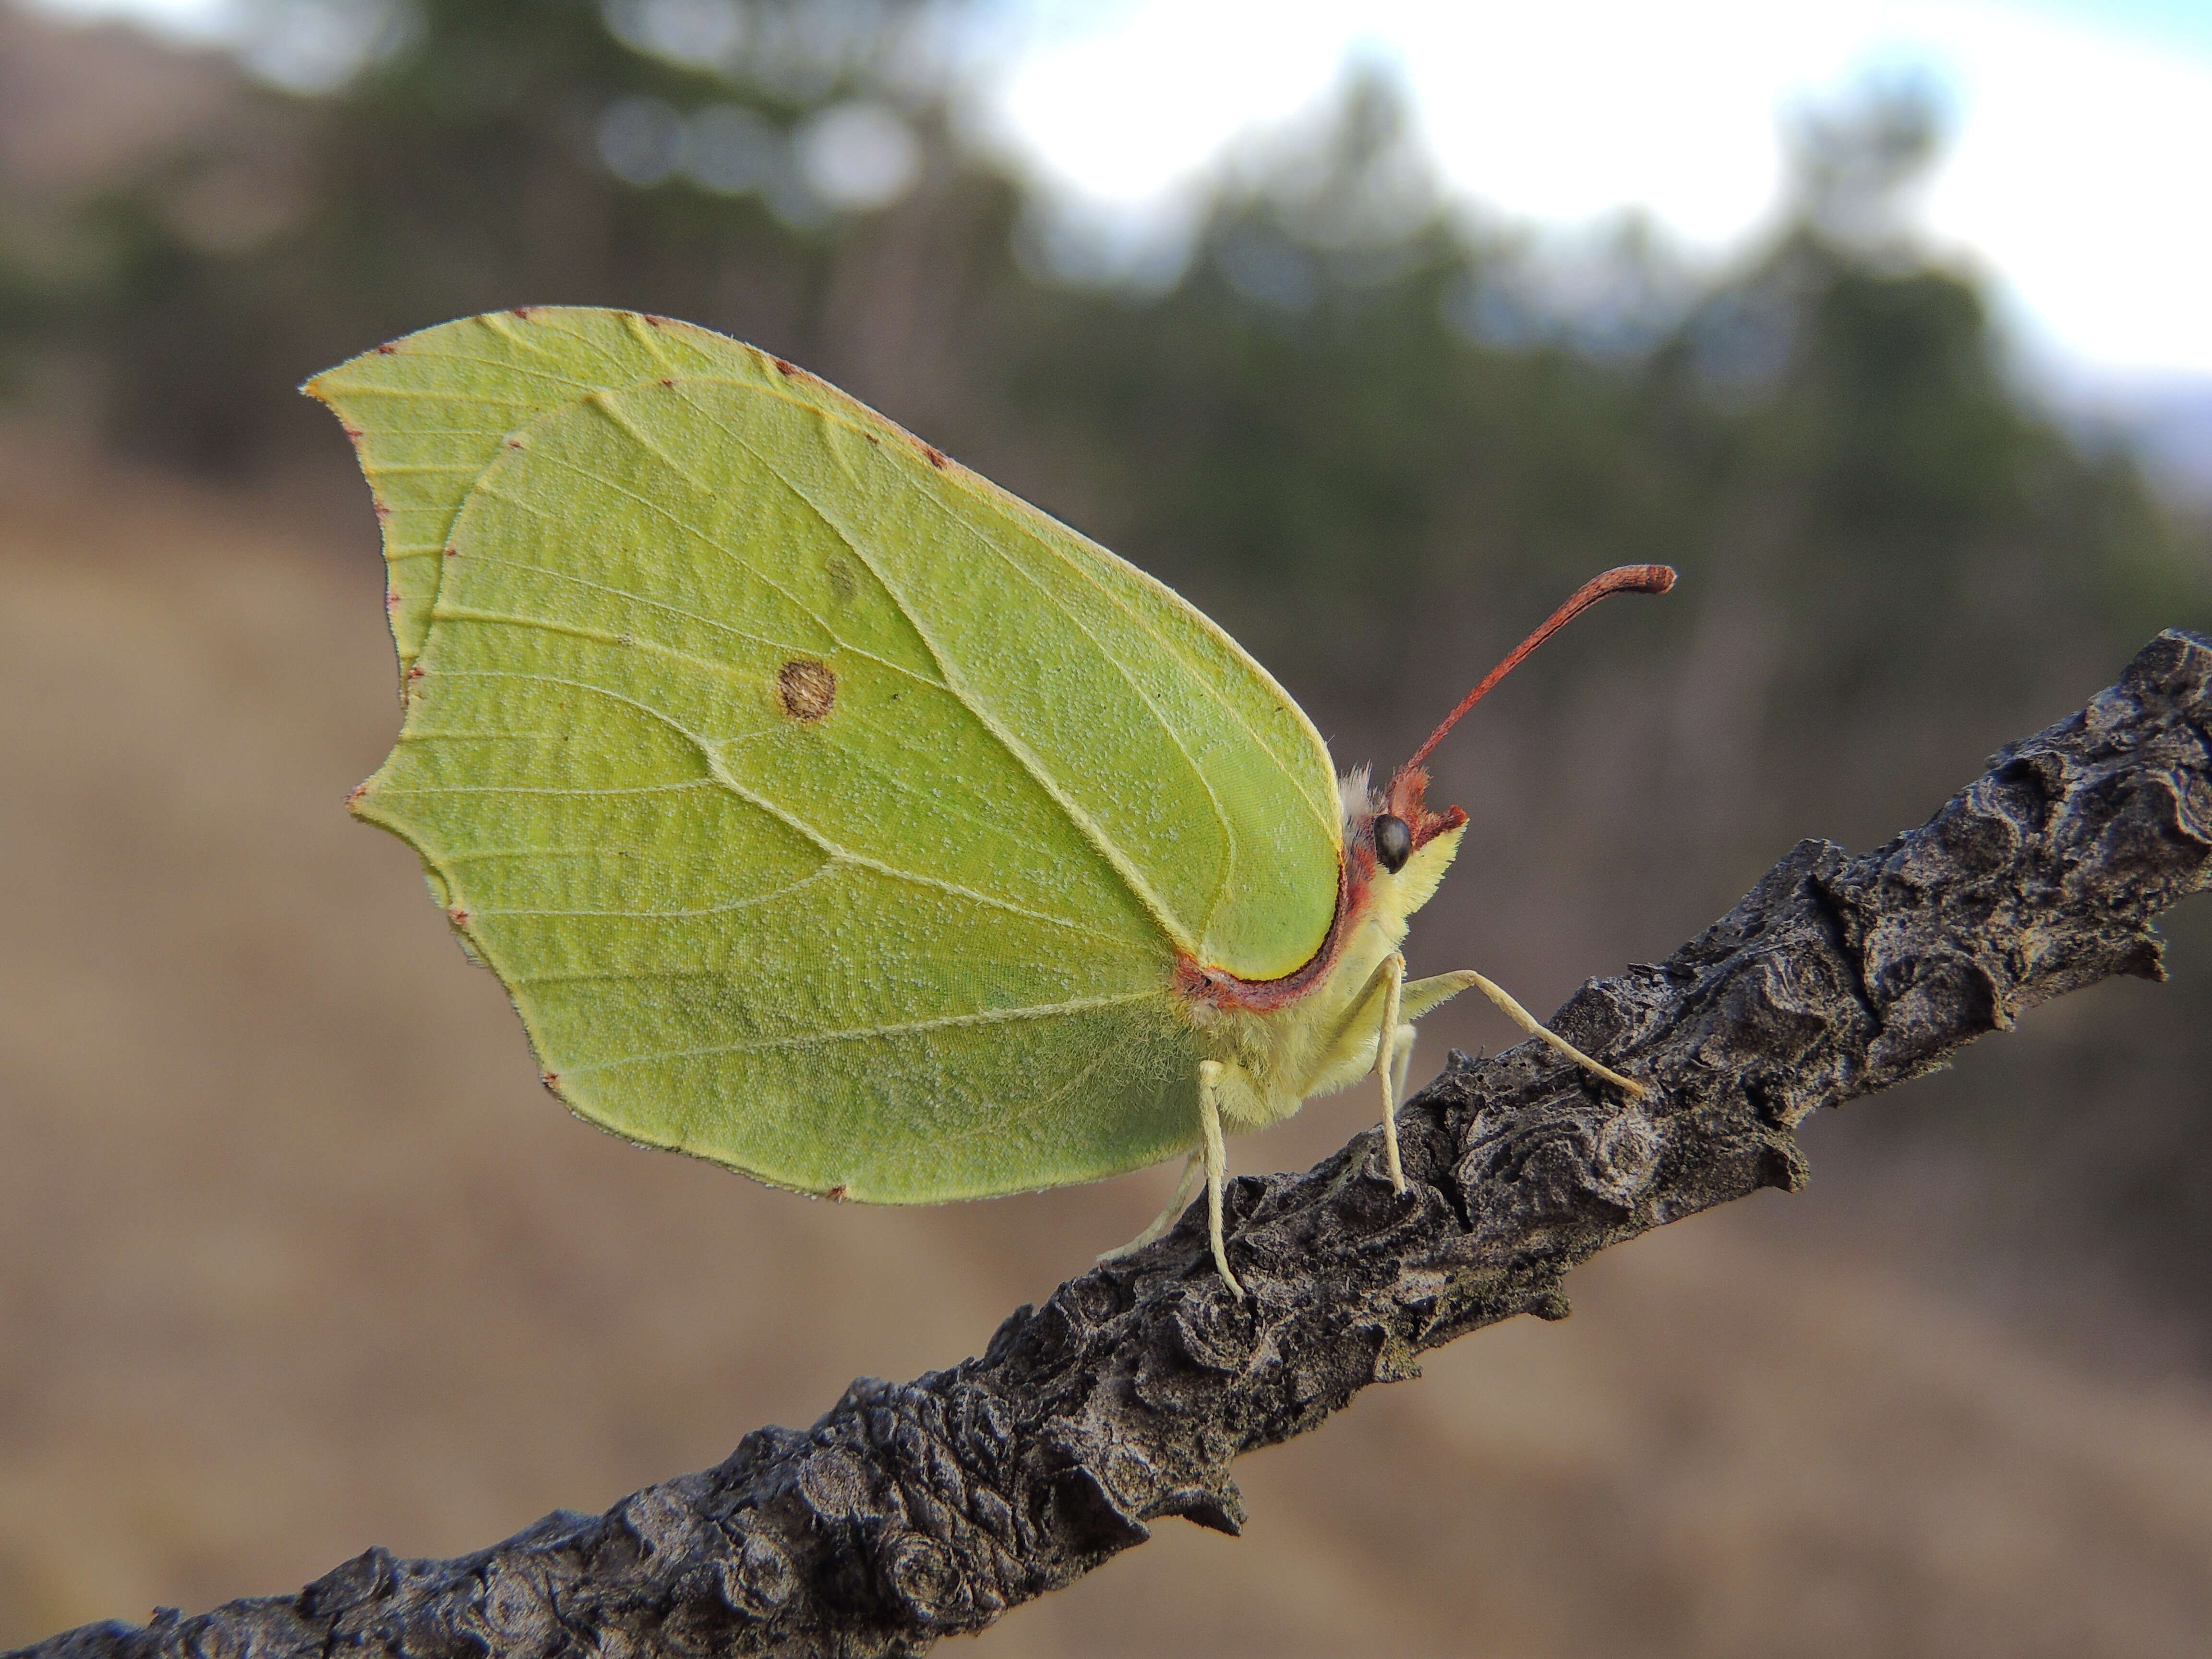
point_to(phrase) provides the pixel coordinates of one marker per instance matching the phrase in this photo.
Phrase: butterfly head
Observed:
(1396, 849)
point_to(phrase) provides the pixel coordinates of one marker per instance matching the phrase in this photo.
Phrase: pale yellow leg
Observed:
(1193, 1167)
(1210, 1073)
(1387, 1072)
(1528, 1023)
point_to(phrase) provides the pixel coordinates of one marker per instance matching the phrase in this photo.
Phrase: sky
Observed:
(2075, 177)
(2074, 180)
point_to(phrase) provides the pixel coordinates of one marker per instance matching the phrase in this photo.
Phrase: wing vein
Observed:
(720, 774)
(1167, 727)
(827, 867)
(870, 1033)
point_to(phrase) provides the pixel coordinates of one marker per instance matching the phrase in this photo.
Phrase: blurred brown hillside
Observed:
(294, 1255)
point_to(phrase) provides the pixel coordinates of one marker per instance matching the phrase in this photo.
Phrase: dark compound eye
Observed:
(1393, 842)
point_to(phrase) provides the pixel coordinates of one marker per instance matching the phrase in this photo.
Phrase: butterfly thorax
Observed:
(1315, 1031)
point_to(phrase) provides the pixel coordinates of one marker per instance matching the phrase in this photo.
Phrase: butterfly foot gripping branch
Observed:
(1193, 1169)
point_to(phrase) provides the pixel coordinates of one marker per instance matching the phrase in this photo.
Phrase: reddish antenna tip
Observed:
(1621, 578)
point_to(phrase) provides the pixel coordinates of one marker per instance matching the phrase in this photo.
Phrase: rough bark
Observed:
(919, 1510)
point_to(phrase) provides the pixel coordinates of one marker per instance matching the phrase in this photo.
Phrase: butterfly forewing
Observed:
(826, 811)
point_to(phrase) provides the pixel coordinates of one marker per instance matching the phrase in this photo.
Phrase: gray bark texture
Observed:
(914, 1511)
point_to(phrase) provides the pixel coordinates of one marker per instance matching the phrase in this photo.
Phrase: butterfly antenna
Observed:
(1622, 578)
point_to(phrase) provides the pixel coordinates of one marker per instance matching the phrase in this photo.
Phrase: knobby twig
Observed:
(919, 1510)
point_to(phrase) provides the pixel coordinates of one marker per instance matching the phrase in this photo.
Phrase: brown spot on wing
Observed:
(936, 455)
(807, 689)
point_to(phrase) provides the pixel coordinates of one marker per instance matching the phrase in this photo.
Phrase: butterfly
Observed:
(830, 813)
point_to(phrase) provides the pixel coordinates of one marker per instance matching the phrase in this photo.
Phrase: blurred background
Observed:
(1372, 329)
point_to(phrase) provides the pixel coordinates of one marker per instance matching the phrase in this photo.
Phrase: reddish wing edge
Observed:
(1355, 877)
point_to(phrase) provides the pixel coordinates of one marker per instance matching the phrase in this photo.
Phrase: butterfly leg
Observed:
(1387, 1071)
(1193, 1168)
(1528, 1023)
(1403, 1064)
(1210, 1074)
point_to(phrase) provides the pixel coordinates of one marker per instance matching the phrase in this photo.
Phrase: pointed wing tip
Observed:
(320, 387)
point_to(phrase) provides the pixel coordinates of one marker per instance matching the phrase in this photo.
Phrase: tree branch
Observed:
(921, 1510)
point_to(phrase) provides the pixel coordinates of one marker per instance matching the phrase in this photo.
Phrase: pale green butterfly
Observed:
(832, 814)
